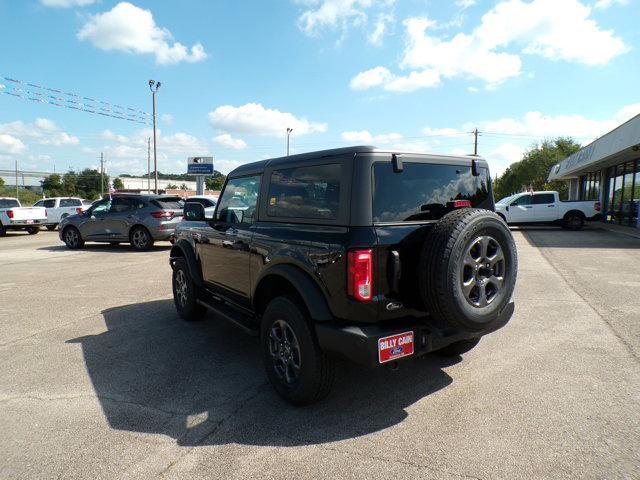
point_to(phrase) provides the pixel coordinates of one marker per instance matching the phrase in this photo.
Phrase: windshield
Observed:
(8, 203)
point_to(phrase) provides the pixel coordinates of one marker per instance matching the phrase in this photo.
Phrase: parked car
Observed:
(546, 208)
(207, 201)
(373, 256)
(140, 220)
(59, 208)
(14, 216)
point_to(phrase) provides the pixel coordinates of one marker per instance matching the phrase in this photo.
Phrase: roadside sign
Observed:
(200, 166)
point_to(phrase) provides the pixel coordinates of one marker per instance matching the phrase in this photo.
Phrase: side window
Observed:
(49, 204)
(523, 200)
(119, 205)
(101, 207)
(543, 199)
(238, 201)
(305, 192)
(39, 203)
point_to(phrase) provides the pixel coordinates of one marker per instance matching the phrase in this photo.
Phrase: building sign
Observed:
(200, 166)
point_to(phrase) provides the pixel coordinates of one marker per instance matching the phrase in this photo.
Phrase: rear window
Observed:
(543, 198)
(422, 191)
(70, 202)
(170, 203)
(8, 203)
(305, 192)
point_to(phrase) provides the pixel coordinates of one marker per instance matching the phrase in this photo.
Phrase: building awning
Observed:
(617, 146)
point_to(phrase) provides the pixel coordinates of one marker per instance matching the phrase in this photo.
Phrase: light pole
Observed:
(154, 86)
(289, 130)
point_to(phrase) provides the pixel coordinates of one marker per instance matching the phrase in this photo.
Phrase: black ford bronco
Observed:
(357, 253)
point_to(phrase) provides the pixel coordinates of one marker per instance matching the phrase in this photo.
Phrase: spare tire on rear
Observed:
(468, 269)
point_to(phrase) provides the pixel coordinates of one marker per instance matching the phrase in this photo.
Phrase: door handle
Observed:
(528, 206)
(550, 206)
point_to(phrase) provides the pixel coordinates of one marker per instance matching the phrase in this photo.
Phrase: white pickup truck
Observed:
(13, 216)
(59, 208)
(546, 208)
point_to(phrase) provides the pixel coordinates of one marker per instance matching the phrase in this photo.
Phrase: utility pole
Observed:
(149, 165)
(289, 130)
(154, 86)
(101, 174)
(475, 141)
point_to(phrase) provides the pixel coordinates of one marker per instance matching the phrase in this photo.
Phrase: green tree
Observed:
(534, 168)
(88, 185)
(216, 182)
(69, 183)
(1, 182)
(172, 186)
(52, 185)
(117, 184)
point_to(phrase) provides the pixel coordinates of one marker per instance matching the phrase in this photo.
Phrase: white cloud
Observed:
(332, 13)
(537, 125)
(11, 144)
(253, 118)
(464, 4)
(376, 37)
(66, 3)
(42, 131)
(227, 141)
(166, 118)
(363, 136)
(132, 29)
(558, 30)
(603, 4)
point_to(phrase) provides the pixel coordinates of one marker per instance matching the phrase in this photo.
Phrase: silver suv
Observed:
(138, 219)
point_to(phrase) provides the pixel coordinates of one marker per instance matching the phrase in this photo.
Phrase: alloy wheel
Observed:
(483, 269)
(285, 351)
(71, 236)
(182, 289)
(139, 238)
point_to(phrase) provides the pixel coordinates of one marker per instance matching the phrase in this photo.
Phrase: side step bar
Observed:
(230, 313)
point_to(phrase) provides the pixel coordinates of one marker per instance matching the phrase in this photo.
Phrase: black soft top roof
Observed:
(259, 166)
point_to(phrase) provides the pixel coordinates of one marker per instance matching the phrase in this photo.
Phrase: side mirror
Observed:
(194, 212)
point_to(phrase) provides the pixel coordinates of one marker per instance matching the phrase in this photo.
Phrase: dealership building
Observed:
(608, 170)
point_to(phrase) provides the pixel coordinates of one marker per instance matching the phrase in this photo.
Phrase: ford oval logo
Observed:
(393, 306)
(396, 351)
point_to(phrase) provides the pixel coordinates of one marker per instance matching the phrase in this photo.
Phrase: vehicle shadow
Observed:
(106, 248)
(203, 383)
(590, 237)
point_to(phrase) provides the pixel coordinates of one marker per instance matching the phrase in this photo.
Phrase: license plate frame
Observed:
(396, 346)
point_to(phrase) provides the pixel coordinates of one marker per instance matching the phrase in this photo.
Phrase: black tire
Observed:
(140, 239)
(33, 230)
(3, 230)
(296, 343)
(51, 228)
(504, 219)
(72, 238)
(458, 348)
(468, 268)
(573, 221)
(185, 293)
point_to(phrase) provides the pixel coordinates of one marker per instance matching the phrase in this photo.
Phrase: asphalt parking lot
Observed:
(100, 379)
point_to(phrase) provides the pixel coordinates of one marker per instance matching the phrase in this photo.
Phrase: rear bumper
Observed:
(23, 223)
(359, 343)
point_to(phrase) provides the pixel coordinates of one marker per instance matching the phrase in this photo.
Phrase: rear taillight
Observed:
(162, 214)
(360, 274)
(10, 213)
(597, 206)
(461, 203)
(78, 210)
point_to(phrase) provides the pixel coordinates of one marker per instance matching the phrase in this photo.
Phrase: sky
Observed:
(413, 75)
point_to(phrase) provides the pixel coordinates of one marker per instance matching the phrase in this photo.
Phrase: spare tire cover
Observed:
(468, 269)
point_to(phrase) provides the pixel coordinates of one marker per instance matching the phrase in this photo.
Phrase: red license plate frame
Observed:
(396, 346)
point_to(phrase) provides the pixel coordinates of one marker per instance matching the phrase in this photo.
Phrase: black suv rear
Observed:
(358, 253)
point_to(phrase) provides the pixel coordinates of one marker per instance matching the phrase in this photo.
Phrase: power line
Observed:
(53, 96)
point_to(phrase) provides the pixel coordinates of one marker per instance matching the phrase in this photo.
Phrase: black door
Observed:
(224, 249)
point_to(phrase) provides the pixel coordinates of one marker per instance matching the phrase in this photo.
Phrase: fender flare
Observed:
(182, 248)
(308, 290)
